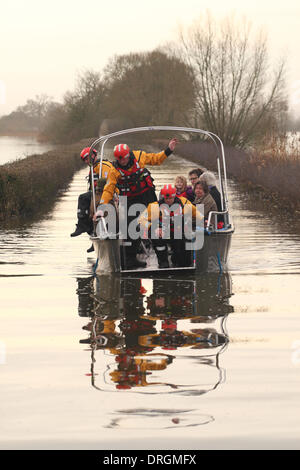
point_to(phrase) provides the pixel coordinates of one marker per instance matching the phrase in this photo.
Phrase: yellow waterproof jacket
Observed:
(106, 168)
(153, 212)
(143, 159)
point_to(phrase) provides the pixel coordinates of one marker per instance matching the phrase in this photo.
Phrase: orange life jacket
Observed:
(106, 167)
(134, 180)
(165, 209)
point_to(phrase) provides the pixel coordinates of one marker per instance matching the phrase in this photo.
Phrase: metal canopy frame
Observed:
(221, 164)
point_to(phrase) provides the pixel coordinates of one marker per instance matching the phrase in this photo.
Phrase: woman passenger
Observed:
(194, 175)
(202, 196)
(209, 178)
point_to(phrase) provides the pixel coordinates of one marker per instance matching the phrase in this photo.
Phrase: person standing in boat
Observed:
(84, 223)
(134, 181)
(173, 209)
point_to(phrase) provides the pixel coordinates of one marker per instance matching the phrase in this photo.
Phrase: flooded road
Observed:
(175, 363)
(13, 147)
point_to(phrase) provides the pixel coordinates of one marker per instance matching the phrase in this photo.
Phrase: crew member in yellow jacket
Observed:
(133, 180)
(84, 216)
(170, 210)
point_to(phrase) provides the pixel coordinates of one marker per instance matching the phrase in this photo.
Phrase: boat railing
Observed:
(213, 219)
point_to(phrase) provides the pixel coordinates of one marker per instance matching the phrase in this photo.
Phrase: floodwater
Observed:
(13, 148)
(206, 362)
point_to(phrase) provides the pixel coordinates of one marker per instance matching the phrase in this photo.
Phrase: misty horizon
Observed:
(50, 47)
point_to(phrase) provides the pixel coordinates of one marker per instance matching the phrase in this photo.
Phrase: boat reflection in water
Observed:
(156, 335)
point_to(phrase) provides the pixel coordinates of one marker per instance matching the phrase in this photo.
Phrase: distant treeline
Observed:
(29, 119)
(216, 77)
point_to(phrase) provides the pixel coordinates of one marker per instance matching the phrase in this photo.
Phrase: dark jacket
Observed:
(209, 204)
(213, 190)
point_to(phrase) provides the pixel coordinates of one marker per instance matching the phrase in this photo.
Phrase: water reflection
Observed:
(140, 418)
(151, 335)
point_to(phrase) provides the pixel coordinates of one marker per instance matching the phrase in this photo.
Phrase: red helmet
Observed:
(169, 324)
(121, 151)
(168, 191)
(123, 387)
(86, 151)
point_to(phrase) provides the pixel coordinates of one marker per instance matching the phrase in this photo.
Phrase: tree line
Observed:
(217, 77)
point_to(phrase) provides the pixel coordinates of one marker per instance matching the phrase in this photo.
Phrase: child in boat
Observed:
(182, 189)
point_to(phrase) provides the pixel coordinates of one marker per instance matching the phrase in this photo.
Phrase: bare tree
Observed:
(236, 96)
(36, 108)
(81, 112)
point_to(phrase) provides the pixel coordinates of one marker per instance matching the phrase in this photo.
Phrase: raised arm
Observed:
(155, 158)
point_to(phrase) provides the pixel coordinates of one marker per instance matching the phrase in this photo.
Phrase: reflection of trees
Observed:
(146, 335)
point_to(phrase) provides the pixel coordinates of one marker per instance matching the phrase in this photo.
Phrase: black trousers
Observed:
(180, 256)
(83, 212)
(131, 246)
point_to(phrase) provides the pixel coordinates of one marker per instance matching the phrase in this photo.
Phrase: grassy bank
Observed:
(29, 187)
(271, 174)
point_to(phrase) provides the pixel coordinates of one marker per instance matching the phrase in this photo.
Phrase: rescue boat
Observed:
(211, 256)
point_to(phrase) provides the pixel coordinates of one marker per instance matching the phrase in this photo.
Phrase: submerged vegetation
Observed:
(30, 186)
(270, 172)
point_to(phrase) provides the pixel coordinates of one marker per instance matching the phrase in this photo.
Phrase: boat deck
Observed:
(152, 266)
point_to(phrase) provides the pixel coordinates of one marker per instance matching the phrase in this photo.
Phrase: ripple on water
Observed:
(154, 419)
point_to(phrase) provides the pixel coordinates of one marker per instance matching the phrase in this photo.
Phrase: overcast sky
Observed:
(45, 44)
